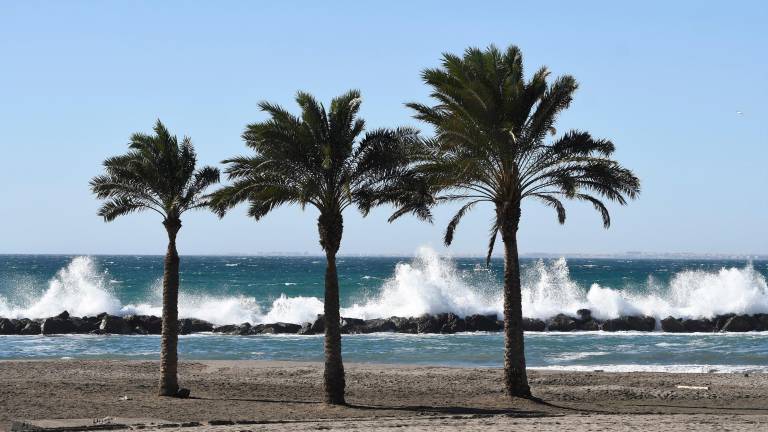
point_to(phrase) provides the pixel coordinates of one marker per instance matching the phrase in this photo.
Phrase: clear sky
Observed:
(664, 80)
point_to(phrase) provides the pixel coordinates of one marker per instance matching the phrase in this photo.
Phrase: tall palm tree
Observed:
(322, 159)
(158, 174)
(491, 146)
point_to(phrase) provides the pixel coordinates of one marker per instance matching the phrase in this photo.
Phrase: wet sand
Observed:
(284, 396)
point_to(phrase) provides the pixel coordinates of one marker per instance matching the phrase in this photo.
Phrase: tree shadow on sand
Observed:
(432, 409)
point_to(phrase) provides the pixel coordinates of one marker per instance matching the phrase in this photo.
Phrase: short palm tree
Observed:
(322, 159)
(158, 174)
(491, 146)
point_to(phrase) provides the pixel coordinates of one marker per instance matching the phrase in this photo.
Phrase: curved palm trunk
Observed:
(169, 385)
(515, 377)
(331, 227)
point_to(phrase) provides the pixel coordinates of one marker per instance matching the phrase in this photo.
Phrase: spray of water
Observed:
(428, 284)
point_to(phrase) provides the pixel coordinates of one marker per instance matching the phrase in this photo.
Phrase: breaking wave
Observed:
(428, 284)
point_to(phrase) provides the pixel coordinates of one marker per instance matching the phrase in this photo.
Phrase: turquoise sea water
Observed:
(269, 289)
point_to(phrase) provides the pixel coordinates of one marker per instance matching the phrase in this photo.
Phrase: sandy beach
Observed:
(282, 396)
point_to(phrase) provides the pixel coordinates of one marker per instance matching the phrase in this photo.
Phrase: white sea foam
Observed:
(689, 368)
(78, 288)
(428, 284)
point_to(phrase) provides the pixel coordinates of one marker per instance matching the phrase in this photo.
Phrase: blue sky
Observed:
(663, 80)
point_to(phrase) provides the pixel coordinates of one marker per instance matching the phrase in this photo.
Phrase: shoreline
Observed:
(274, 392)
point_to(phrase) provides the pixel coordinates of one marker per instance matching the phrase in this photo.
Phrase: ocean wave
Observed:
(430, 283)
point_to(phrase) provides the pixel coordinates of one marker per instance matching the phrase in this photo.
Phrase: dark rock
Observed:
(182, 393)
(584, 314)
(740, 323)
(234, 329)
(85, 325)
(590, 325)
(532, 324)
(9, 327)
(672, 325)
(630, 323)
(427, 324)
(481, 323)
(114, 325)
(145, 324)
(319, 325)
(720, 320)
(703, 325)
(227, 329)
(194, 325)
(379, 325)
(562, 322)
(450, 323)
(57, 325)
(278, 328)
(29, 327)
(306, 329)
(221, 422)
(64, 315)
(761, 322)
(243, 329)
(352, 325)
(405, 325)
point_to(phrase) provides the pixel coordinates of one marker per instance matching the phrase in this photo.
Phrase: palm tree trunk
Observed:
(331, 227)
(169, 385)
(515, 377)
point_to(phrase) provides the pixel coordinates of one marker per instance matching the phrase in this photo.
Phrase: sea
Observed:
(266, 289)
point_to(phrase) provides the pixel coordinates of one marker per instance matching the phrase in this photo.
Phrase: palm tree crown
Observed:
(491, 141)
(157, 173)
(320, 159)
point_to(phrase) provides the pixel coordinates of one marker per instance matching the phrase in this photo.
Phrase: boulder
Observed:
(114, 325)
(405, 325)
(427, 324)
(194, 325)
(306, 329)
(29, 327)
(9, 327)
(672, 325)
(234, 329)
(584, 314)
(64, 315)
(278, 328)
(450, 323)
(319, 325)
(702, 325)
(630, 323)
(481, 323)
(57, 325)
(85, 325)
(761, 322)
(532, 324)
(562, 322)
(352, 325)
(590, 325)
(379, 325)
(720, 320)
(145, 324)
(740, 323)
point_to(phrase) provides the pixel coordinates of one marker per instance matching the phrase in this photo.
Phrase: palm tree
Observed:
(321, 159)
(158, 174)
(491, 146)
